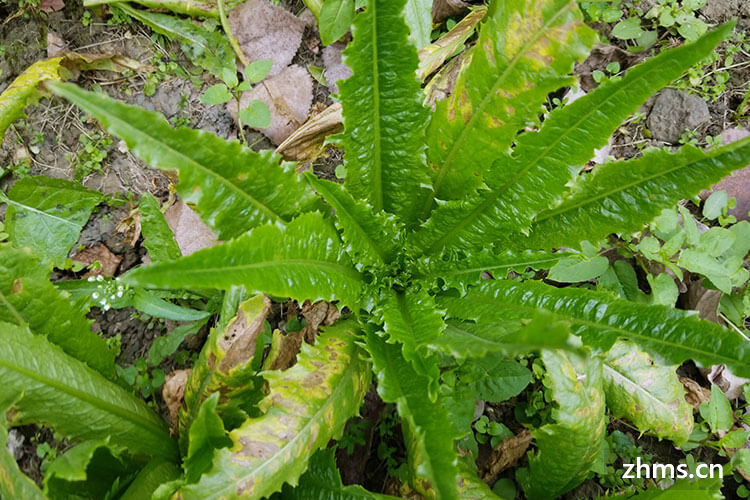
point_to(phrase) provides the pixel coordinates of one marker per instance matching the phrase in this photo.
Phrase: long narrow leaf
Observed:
(619, 196)
(384, 121)
(232, 187)
(600, 320)
(305, 261)
(526, 50)
(28, 298)
(307, 406)
(534, 177)
(568, 448)
(63, 393)
(433, 446)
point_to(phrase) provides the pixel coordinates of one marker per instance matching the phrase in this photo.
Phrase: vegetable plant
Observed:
(431, 247)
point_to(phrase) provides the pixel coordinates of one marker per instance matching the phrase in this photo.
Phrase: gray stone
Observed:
(674, 112)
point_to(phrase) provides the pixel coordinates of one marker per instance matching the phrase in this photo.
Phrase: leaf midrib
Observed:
(642, 180)
(107, 407)
(88, 104)
(377, 149)
(341, 269)
(629, 334)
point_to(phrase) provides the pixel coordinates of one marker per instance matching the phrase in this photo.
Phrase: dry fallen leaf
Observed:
(56, 46)
(190, 233)
(506, 455)
(98, 253)
(288, 96)
(321, 313)
(306, 143)
(335, 68)
(736, 185)
(599, 58)
(48, 6)
(695, 394)
(238, 343)
(267, 31)
(727, 381)
(173, 393)
(442, 9)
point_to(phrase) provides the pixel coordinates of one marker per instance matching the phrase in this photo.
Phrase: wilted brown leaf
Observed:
(434, 55)
(727, 381)
(288, 96)
(441, 85)
(173, 393)
(56, 46)
(306, 143)
(442, 9)
(695, 394)
(267, 31)
(506, 455)
(321, 313)
(238, 342)
(98, 253)
(48, 6)
(190, 233)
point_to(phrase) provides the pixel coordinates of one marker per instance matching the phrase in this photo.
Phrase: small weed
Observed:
(93, 152)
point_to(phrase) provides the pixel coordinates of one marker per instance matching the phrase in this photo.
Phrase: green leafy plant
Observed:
(256, 114)
(435, 212)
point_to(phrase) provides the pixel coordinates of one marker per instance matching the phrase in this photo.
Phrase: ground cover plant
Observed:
(461, 251)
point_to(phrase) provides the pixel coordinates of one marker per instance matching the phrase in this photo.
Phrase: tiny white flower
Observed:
(100, 278)
(119, 294)
(94, 295)
(106, 307)
(90, 279)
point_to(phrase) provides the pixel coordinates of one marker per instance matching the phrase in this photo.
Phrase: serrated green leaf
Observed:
(418, 17)
(13, 482)
(568, 448)
(600, 320)
(206, 435)
(463, 271)
(232, 188)
(305, 261)
(526, 50)
(620, 196)
(335, 18)
(307, 406)
(216, 94)
(155, 473)
(92, 469)
(322, 481)
(27, 297)
(647, 393)
(384, 121)
(470, 339)
(372, 238)
(208, 49)
(717, 412)
(157, 236)
(412, 320)
(256, 114)
(433, 452)
(534, 177)
(64, 394)
(258, 70)
(494, 379)
(47, 215)
(23, 90)
(575, 270)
